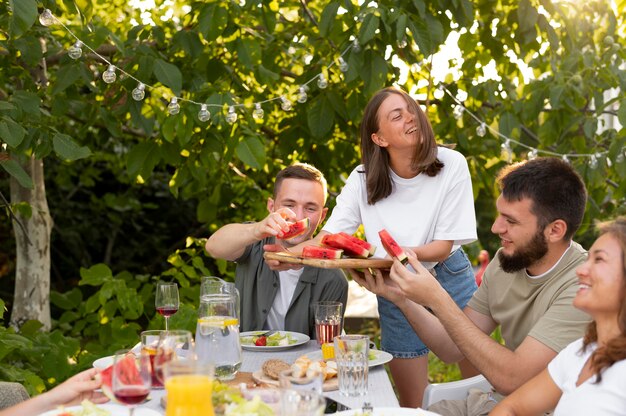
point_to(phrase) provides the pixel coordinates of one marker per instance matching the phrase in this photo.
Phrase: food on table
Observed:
(277, 339)
(328, 351)
(304, 366)
(256, 407)
(371, 248)
(392, 248)
(261, 341)
(272, 368)
(295, 229)
(317, 252)
(87, 409)
(343, 242)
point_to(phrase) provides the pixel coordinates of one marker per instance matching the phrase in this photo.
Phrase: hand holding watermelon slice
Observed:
(392, 247)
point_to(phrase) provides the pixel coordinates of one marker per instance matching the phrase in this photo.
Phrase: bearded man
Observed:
(527, 289)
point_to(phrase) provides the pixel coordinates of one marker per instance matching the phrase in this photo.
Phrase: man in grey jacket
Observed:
(280, 300)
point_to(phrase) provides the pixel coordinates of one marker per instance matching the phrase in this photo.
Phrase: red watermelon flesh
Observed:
(364, 244)
(296, 229)
(129, 372)
(316, 252)
(392, 248)
(345, 244)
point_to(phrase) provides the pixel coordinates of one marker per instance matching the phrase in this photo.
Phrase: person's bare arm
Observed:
(539, 395)
(230, 241)
(438, 250)
(468, 332)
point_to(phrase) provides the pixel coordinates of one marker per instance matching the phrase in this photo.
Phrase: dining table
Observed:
(380, 391)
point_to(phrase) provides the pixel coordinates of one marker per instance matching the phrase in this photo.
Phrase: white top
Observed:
(604, 399)
(418, 211)
(282, 300)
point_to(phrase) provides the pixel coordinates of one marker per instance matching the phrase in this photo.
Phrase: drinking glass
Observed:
(166, 301)
(328, 316)
(149, 345)
(131, 378)
(312, 380)
(217, 335)
(351, 355)
(211, 285)
(173, 345)
(302, 403)
(189, 386)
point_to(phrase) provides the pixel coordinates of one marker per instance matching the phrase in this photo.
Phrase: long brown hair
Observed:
(375, 159)
(614, 350)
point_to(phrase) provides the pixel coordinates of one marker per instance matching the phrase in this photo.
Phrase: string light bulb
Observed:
(593, 162)
(258, 112)
(231, 117)
(75, 51)
(565, 158)
(285, 104)
(46, 18)
(356, 47)
(139, 92)
(481, 130)
(173, 107)
(402, 43)
(302, 96)
(532, 154)
(507, 153)
(620, 157)
(458, 112)
(343, 65)
(204, 115)
(109, 75)
(322, 82)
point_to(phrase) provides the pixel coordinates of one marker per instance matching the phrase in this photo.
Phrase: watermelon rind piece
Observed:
(349, 247)
(296, 229)
(392, 248)
(317, 252)
(362, 243)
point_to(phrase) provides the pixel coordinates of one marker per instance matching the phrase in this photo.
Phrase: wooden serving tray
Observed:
(348, 263)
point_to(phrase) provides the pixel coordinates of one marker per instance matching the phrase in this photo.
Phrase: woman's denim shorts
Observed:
(456, 276)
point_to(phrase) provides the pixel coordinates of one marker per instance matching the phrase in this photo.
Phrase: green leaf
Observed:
(6, 105)
(14, 169)
(169, 75)
(142, 159)
(11, 132)
(368, 28)
(401, 27)
(95, 275)
(320, 117)
(67, 149)
(251, 152)
(65, 76)
(329, 15)
(526, 15)
(621, 112)
(27, 102)
(249, 52)
(24, 15)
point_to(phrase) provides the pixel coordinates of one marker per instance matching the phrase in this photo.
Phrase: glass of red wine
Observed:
(166, 301)
(132, 378)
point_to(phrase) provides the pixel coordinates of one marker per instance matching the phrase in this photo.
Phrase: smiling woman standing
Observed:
(421, 193)
(588, 377)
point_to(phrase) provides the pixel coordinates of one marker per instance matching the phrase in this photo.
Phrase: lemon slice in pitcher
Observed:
(218, 321)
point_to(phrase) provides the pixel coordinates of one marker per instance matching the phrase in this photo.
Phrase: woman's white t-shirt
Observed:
(590, 398)
(418, 211)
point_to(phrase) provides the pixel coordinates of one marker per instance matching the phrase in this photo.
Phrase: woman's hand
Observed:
(76, 389)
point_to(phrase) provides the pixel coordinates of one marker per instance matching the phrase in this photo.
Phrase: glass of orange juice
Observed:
(188, 384)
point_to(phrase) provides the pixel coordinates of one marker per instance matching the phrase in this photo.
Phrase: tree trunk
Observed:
(32, 271)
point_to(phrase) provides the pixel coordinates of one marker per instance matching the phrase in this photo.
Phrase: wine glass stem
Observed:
(131, 410)
(167, 319)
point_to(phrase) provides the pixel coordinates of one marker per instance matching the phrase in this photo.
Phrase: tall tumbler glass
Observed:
(351, 355)
(328, 317)
(217, 335)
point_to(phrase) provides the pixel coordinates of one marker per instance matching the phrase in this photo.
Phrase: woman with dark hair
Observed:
(421, 193)
(588, 377)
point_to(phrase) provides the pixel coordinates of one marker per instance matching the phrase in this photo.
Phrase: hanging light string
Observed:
(533, 152)
(46, 18)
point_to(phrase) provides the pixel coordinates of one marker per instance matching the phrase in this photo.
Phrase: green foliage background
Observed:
(133, 190)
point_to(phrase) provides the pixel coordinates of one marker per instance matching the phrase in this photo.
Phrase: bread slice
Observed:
(272, 368)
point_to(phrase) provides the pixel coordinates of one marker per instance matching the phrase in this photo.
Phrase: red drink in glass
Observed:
(167, 311)
(326, 331)
(132, 395)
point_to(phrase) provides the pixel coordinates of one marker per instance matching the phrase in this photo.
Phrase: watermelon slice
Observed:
(364, 244)
(317, 252)
(341, 242)
(296, 229)
(129, 372)
(392, 248)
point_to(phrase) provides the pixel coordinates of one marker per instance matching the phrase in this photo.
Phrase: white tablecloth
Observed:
(380, 391)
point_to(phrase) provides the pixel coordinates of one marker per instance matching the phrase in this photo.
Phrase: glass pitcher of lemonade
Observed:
(217, 334)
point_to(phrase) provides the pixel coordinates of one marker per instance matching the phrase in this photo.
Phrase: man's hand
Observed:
(418, 286)
(379, 284)
(276, 265)
(275, 224)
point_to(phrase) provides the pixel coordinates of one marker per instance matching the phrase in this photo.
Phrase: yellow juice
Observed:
(189, 395)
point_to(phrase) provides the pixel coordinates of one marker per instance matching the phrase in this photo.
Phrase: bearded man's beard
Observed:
(524, 257)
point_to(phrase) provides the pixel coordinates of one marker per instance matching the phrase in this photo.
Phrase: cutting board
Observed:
(260, 377)
(346, 263)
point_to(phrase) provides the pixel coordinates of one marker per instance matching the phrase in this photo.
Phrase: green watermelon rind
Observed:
(392, 247)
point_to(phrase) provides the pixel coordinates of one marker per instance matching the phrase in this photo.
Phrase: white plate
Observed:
(114, 410)
(300, 339)
(390, 411)
(382, 357)
(104, 362)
